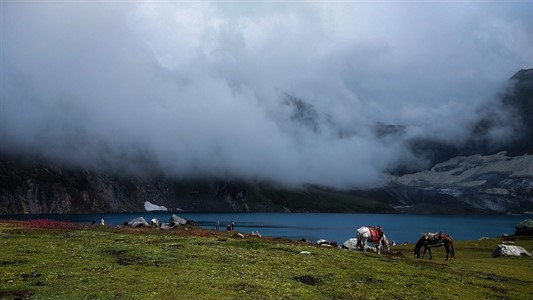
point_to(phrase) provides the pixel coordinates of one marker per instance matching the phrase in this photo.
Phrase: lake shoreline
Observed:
(314, 226)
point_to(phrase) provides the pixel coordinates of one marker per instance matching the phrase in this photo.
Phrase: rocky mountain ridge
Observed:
(487, 184)
(42, 188)
(33, 188)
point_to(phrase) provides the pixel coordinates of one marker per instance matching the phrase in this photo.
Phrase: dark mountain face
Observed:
(520, 95)
(519, 99)
(36, 187)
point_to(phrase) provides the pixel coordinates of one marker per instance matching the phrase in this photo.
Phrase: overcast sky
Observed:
(196, 88)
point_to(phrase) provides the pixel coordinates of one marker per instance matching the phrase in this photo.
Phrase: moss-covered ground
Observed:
(84, 262)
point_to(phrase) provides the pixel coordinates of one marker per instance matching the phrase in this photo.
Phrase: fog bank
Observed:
(199, 89)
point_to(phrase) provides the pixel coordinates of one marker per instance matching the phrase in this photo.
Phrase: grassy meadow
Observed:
(65, 261)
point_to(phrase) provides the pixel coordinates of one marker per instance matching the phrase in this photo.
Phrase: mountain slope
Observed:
(467, 184)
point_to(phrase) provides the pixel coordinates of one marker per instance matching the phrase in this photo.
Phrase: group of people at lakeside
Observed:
(102, 222)
(229, 227)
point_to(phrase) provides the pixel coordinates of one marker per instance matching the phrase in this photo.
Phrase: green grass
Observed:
(192, 263)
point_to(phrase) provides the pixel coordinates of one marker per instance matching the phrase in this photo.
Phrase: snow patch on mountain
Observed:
(152, 207)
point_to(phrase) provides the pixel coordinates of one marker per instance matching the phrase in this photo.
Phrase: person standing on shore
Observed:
(218, 224)
(102, 222)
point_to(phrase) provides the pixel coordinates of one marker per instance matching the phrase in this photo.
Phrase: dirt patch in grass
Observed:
(500, 290)
(370, 280)
(16, 294)
(494, 277)
(123, 258)
(39, 283)
(31, 275)
(308, 279)
(69, 235)
(11, 262)
(491, 276)
(173, 247)
(116, 253)
(127, 261)
(397, 254)
(245, 287)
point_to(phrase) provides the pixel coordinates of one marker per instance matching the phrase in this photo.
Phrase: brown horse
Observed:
(430, 240)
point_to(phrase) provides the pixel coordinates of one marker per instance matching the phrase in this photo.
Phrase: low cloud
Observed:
(198, 89)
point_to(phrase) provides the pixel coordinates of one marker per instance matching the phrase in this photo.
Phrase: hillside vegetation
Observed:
(41, 260)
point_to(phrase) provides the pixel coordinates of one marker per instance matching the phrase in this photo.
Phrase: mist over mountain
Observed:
(336, 95)
(465, 177)
(200, 89)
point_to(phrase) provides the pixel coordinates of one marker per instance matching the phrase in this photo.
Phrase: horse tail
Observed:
(449, 238)
(451, 248)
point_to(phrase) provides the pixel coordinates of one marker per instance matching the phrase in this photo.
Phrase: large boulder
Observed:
(326, 243)
(524, 228)
(509, 250)
(138, 222)
(175, 220)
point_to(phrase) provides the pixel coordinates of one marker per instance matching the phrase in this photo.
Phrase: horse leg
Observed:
(360, 241)
(449, 250)
(429, 250)
(379, 245)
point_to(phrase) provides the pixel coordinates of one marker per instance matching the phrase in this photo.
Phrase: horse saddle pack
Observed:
(374, 234)
(434, 240)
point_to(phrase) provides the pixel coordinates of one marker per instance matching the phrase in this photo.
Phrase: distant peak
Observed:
(523, 74)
